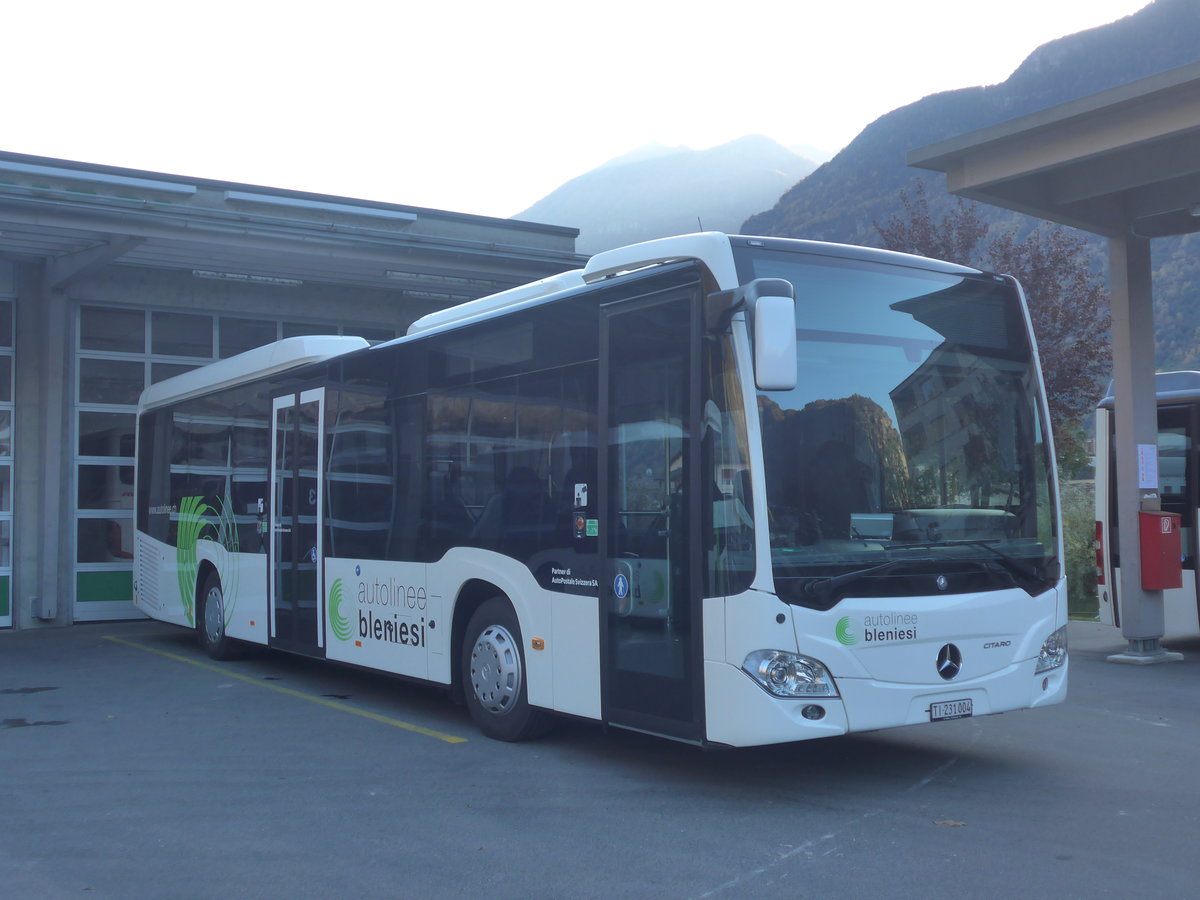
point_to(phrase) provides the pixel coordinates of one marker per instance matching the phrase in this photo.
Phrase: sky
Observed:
(481, 107)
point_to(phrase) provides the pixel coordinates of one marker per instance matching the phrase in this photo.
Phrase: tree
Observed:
(1068, 303)
(1069, 307)
(955, 237)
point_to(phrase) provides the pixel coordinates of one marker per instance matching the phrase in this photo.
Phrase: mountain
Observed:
(656, 191)
(843, 199)
(644, 153)
(808, 151)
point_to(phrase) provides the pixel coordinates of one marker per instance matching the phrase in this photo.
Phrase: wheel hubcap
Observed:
(214, 616)
(496, 670)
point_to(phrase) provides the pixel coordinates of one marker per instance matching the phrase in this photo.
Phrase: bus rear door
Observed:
(297, 557)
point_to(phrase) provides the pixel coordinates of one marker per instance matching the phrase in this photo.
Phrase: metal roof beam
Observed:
(272, 235)
(222, 226)
(64, 269)
(1130, 169)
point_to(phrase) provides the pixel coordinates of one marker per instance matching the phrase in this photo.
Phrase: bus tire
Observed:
(494, 676)
(210, 621)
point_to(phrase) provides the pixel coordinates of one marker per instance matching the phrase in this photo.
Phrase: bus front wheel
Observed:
(493, 675)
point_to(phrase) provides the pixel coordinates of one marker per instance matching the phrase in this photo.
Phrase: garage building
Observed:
(113, 279)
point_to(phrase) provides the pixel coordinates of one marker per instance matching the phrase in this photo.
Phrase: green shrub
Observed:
(1079, 535)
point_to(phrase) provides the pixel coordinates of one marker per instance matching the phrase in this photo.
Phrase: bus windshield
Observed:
(911, 458)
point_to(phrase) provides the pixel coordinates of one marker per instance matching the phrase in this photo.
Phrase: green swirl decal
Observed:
(227, 537)
(195, 516)
(844, 634)
(191, 523)
(339, 624)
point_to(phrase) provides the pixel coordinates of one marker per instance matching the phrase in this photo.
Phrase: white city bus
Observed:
(727, 490)
(1178, 395)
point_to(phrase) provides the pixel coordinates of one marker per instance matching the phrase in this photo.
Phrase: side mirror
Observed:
(774, 343)
(771, 305)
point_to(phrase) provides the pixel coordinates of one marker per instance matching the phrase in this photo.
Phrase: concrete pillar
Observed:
(1136, 420)
(42, 455)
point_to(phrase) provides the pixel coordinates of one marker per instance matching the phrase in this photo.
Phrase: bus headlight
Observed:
(787, 674)
(1053, 653)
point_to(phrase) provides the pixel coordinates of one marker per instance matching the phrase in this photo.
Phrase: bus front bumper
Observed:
(739, 713)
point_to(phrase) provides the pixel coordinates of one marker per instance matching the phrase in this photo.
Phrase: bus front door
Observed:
(297, 557)
(649, 606)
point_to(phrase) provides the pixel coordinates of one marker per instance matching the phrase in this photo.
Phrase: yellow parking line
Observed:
(332, 704)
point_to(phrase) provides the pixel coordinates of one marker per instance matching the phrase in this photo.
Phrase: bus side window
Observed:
(360, 475)
(446, 521)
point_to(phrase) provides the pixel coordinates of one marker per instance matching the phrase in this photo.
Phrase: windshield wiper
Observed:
(1011, 564)
(823, 588)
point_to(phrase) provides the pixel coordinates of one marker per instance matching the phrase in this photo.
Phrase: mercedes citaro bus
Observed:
(728, 490)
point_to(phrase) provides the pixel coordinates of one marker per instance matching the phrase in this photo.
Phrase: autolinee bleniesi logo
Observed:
(339, 623)
(389, 611)
(882, 627)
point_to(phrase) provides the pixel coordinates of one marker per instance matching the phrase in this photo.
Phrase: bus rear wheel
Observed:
(493, 675)
(210, 621)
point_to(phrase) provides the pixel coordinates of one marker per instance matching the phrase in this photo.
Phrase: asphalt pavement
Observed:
(132, 766)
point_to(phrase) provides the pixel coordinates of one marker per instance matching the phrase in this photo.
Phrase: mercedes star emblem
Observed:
(949, 661)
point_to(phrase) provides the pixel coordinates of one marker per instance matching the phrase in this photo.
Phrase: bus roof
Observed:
(1168, 386)
(267, 360)
(711, 248)
(493, 303)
